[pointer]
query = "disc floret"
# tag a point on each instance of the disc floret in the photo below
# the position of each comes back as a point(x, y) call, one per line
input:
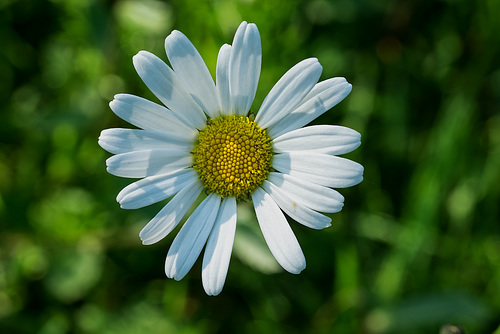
point(232, 156)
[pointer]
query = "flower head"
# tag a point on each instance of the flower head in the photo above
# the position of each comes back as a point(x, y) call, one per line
point(204, 137)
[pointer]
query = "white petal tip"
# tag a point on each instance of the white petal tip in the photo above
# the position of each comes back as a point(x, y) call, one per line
point(146, 242)
point(140, 53)
point(347, 88)
point(172, 35)
point(298, 270)
point(213, 294)
point(321, 227)
point(139, 57)
point(124, 206)
point(212, 291)
point(120, 96)
point(100, 141)
point(169, 270)
point(296, 265)
point(310, 61)
point(146, 238)
point(173, 274)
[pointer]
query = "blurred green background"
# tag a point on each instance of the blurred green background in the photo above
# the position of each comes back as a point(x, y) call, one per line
point(417, 245)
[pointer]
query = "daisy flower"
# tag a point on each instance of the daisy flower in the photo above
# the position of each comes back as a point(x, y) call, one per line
point(205, 140)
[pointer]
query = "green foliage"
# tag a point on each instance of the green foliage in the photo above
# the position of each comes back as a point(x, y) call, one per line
point(416, 247)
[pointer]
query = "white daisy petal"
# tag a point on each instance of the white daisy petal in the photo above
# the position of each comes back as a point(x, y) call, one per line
point(219, 248)
point(171, 214)
point(155, 188)
point(148, 115)
point(327, 139)
point(222, 79)
point(192, 72)
point(323, 169)
point(188, 244)
point(118, 141)
point(288, 92)
point(166, 86)
point(321, 98)
point(277, 233)
point(244, 67)
point(148, 163)
point(297, 211)
point(312, 195)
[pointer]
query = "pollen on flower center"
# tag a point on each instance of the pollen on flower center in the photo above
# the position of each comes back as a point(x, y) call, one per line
point(232, 156)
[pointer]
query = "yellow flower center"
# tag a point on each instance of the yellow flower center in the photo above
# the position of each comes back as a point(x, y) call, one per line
point(232, 156)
